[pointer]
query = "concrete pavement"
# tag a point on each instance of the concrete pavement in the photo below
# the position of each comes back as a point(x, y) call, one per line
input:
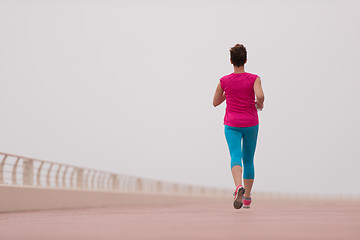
point(267, 219)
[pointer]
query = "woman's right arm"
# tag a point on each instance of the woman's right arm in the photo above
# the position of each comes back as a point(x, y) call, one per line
point(219, 96)
point(259, 94)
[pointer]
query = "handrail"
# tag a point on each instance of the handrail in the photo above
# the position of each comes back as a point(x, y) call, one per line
point(25, 171)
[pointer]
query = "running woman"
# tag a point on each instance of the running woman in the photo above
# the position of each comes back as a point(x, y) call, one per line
point(241, 121)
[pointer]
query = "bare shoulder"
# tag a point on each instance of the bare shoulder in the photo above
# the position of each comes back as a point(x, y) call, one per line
point(257, 84)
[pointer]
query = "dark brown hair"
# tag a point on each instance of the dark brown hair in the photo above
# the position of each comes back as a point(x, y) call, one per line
point(238, 55)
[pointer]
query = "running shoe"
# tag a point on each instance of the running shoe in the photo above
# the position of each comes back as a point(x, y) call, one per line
point(247, 202)
point(238, 197)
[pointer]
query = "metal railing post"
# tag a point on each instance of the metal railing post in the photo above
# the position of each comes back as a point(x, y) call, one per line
point(48, 175)
point(38, 175)
point(139, 185)
point(2, 170)
point(99, 181)
point(102, 181)
point(190, 190)
point(93, 180)
point(13, 173)
point(28, 172)
point(203, 191)
point(64, 176)
point(114, 182)
point(159, 187)
point(79, 178)
point(72, 184)
point(57, 176)
point(86, 185)
point(176, 188)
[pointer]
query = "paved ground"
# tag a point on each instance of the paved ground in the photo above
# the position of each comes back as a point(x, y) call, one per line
point(267, 219)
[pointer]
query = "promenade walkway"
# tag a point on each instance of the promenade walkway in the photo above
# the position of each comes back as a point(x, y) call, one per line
point(267, 219)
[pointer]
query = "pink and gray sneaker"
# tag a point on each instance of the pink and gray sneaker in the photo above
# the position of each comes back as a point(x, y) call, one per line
point(246, 202)
point(238, 197)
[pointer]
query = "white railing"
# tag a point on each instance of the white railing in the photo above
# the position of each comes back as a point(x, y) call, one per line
point(24, 171)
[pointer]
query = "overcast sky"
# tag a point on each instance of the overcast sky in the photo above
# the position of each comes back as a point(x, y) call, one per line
point(127, 86)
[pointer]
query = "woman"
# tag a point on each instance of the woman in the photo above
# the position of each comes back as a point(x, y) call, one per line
point(241, 121)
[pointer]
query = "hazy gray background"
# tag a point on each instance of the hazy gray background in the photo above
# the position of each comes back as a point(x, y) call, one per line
point(127, 86)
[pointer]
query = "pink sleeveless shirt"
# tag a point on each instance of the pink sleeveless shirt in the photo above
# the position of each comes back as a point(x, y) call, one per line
point(240, 99)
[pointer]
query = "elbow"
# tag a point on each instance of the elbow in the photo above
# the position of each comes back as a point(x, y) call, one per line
point(216, 103)
point(260, 97)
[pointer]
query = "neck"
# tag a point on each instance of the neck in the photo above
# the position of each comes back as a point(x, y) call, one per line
point(239, 69)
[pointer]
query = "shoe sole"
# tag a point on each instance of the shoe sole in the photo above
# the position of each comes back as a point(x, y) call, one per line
point(246, 206)
point(238, 201)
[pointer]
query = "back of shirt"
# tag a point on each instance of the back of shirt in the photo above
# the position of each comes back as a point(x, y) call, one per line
point(240, 99)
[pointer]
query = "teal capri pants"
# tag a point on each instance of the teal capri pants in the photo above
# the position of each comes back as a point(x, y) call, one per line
point(242, 144)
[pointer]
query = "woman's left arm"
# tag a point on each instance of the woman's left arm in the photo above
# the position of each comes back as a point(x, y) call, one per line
point(219, 96)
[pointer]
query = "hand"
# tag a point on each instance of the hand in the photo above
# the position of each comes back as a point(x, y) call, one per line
point(258, 107)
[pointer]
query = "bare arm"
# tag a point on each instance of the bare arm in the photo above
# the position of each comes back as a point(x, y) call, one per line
point(259, 94)
point(219, 96)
